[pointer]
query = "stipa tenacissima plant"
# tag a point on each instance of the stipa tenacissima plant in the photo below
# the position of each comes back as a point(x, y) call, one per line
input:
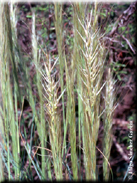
point(92, 68)
point(50, 88)
point(85, 75)
point(51, 107)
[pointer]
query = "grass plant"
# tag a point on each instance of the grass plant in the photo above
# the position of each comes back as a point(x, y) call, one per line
point(84, 83)
point(91, 72)
point(10, 124)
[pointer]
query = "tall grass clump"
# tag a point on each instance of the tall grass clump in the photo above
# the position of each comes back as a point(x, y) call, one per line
point(9, 120)
point(11, 136)
point(91, 66)
point(69, 122)
point(67, 142)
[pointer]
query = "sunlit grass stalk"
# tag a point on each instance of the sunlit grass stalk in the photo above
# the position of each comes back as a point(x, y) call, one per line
point(5, 85)
point(70, 117)
point(61, 52)
point(91, 77)
point(13, 20)
point(108, 118)
point(78, 12)
point(43, 133)
point(4, 114)
point(16, 90)
point(8, 33)
point(4, 97)
point(13, 128)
